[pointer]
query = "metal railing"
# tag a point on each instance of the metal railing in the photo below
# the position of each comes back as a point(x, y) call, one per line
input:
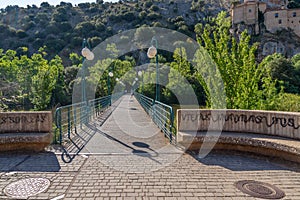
point(161, 114)
point(97, 106)
point(67, 119)
point(72, 120)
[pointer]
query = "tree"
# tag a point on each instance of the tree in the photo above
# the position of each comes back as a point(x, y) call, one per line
point(44, 81)
point(282, 69)
point(247, 85)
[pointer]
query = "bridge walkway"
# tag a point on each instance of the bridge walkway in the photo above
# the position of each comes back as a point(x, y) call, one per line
point(129, 140)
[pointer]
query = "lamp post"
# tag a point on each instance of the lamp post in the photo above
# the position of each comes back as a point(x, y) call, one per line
point(140, 74)
point(87, 54)
point(152, 52)
point(110, 75)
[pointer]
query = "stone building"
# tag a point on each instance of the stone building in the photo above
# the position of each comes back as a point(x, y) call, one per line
point(275, 13)
point(247, 13)
point(277, 19)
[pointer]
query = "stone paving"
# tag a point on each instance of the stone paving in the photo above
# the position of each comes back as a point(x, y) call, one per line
point(120, 162)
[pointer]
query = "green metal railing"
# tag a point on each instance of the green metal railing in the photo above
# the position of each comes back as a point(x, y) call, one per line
point(161, 114)
point(67, 119)
point(71, 121)
point(97, 106)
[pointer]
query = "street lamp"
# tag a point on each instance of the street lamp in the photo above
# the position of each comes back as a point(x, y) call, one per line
point(140, 73)
point(89, 55)
point(152, 52)
point(110, 75)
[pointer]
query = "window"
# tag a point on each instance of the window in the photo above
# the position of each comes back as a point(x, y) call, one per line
point(279, 21)
point(276, 15)
point(294, 14)
point(250, 10)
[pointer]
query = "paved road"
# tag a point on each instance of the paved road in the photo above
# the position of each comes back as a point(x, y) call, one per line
point(128, 158)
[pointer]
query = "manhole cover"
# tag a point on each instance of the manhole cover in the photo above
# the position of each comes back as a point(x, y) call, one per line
point(24, 188)
point(260, 189)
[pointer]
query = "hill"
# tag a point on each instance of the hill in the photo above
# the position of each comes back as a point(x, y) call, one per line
point(62, 28)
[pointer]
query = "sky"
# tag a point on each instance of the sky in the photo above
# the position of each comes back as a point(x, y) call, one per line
point(24, 3)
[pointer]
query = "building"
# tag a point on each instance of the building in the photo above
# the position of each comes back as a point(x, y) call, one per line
point(277, 19)
point(248, 13)
point(275, 13)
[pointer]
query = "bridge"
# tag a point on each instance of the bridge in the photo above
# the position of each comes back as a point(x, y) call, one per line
point(124, 146)
point(116, 124)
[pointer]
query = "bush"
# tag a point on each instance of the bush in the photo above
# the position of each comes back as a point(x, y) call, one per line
point(64, 27)
point(289, 102)
point(95, 41)
point(129, 16)
point(84, 28)
point(76, 41)
point(154, 8)
point(148, 4)
point(99, 26)
point(153, 16)
point(142, 15)
point(52, 29)
point(38, 43)
point(21, 34)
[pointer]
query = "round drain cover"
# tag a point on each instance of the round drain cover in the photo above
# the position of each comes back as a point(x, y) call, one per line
point(260, 189)
point(24, 188)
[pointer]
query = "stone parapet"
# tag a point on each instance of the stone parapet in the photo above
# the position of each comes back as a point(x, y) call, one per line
point(284, 124)
point(25, 122)
point(20, 131)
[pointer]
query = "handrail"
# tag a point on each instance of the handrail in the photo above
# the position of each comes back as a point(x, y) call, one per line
point(97, 106)
point(70, 119)
point(67, 117)
point(162, 115)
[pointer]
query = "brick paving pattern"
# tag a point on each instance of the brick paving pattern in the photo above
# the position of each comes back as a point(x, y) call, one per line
point(118, 163)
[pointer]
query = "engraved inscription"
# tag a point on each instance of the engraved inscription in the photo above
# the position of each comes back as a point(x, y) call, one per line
point(236, 118)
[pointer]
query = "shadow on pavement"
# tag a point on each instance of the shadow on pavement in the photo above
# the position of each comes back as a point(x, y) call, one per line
point(30, 162)
point(238, 161)
point(81, 135)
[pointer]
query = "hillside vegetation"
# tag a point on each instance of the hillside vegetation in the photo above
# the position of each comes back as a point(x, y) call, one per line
point(62, 28)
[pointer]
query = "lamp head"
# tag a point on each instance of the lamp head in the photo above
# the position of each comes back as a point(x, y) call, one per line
point(110, 74)
point(140, 73)
point(90, 56)
point(152, 51)
point(85, 52)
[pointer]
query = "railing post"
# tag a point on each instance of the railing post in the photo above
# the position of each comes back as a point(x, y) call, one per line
point(69, 123)
point(58, 125)
point(171, 124)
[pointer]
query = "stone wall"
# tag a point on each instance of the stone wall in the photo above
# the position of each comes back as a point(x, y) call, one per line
point(25, 122)
point(285, 124)
point(283, 19)
point(25, 131)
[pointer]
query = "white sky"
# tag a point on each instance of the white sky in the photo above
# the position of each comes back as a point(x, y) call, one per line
point(24, 3)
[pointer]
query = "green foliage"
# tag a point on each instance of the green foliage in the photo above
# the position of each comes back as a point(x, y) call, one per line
point(26, 81)
point(282, 69)
point(44, 81)
point(289, 102)
point(84, 28)
point(21, 34)
point(247, 84)
point(154, 8)
point(75, 59)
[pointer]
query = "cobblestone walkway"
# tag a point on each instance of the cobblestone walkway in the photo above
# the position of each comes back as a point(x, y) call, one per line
point(128, 158)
